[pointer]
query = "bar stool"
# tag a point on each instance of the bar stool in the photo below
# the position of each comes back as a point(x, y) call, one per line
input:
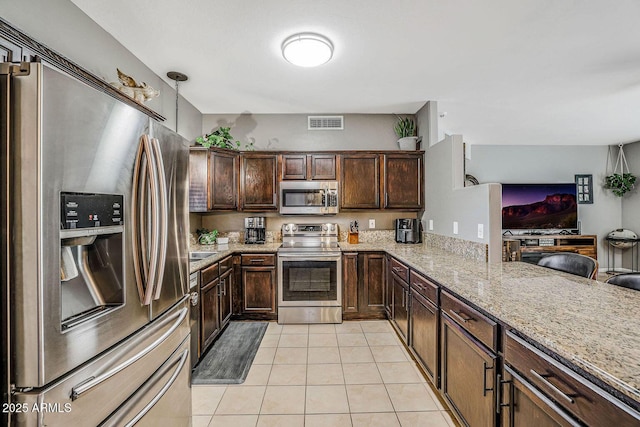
point(569, 262)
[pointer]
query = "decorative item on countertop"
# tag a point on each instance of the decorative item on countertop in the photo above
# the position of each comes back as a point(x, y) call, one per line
point(206, 237)
point(353, 232)
point(620, 183)
point(470, 180)
point(406, 131)
point(221, 138)
point(139, 92)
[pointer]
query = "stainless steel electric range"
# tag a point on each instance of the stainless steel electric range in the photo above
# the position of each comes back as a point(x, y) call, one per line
point(309, 274)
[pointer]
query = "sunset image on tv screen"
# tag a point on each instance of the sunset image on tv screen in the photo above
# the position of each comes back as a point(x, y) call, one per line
point(539, 206)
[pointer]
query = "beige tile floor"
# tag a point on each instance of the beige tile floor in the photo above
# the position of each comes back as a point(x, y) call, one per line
point(354, 374)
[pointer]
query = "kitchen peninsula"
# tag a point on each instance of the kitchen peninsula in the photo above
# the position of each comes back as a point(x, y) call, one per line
point(588, 326)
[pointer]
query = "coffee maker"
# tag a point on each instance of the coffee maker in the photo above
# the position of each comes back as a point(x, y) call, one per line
point(408, 230)
point(254, 230)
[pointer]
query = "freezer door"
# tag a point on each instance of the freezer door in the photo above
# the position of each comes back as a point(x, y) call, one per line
point(140, 376)
point(65, 137)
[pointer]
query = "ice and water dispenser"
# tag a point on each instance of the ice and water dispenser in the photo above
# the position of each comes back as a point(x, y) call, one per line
point(91, 255)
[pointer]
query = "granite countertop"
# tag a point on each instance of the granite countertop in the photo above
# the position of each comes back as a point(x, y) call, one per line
point(591, 324)
point(225, 250)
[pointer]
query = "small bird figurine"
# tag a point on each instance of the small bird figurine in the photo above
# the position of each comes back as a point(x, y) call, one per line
point(128, 86)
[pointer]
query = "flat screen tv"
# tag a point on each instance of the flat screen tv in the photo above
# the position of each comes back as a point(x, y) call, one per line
point(539, 206)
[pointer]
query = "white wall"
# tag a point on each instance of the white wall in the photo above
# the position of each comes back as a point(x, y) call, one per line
point(289, 131)
point(549, 164)
point(61, 26)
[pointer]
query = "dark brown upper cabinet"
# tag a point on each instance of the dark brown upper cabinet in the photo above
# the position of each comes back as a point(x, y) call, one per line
point(258, 182)
point(360, 181)
point(224, 180)
point(320, 167)
point(403, 182)
point(213, 180)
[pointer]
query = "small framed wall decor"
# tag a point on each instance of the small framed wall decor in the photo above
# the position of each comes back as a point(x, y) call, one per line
point(584, 187)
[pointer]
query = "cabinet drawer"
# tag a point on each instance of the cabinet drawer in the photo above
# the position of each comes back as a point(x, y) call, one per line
point(226, 264)
point(400, 269)
point(483, 328)
point(576, 394)
point(208, 274)
point(424, 287)
point(259, 259)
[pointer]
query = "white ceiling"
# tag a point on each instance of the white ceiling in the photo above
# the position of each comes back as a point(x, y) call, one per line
point(504, 71)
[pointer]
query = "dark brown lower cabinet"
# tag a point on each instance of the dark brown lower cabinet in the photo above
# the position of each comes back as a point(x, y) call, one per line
point(525, 406)
point(424, 334)
point(209, 314)
point(363, 285)
point(468, 376)
point(400, 305)
point(226, 290)
point(259, 290)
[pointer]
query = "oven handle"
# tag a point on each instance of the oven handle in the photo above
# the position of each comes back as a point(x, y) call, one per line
point(311, 256)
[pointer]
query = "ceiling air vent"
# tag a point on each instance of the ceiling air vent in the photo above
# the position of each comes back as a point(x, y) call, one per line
point(326, 122)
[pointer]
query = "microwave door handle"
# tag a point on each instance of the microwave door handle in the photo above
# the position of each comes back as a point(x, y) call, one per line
point(162, 215)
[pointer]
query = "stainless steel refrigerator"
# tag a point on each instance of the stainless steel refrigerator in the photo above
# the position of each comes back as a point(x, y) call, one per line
point(94, 257)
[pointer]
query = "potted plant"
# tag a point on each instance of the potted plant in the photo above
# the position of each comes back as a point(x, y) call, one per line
point(221, 138)
point(405, 128)
point(206, 237)
point(620, 182)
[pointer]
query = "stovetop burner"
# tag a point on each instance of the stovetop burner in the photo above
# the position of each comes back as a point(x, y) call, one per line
point(309, 238)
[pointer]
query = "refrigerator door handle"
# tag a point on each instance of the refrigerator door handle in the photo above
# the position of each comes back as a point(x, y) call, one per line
point(145, 247)
point(85, 386)
point(162, 215)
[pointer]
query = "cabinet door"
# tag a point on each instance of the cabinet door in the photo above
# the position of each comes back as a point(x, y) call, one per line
point(373, 277)
point(424, 334)
point(259, 289)
point(388, 289)
point(360, 181)
point(226, 289)
point(294, 166)
point(403, 182)
point(468, 375)
point(258, 182)
point(350, 282)
point(209, 320)
point(527, 407)
point(224, 183)
point(198, 180)
point(400, 305)
point(323, 167)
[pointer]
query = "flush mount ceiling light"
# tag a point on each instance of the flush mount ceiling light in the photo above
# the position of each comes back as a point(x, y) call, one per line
point(307, 49)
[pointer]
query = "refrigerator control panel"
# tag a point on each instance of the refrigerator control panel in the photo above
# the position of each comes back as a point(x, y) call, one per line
point(87, 210)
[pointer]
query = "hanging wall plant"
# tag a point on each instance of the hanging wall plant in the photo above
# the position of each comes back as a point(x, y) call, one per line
point(620, 182)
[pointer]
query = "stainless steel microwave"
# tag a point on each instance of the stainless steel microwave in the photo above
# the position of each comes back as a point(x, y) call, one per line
point(309, 197)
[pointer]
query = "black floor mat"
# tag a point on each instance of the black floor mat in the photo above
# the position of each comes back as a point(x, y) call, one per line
point(229, 359)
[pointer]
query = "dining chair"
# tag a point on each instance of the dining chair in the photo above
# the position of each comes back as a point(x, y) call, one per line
point(570, 262)
point(626, 280)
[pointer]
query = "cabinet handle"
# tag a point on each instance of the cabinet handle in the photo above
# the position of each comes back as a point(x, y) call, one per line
point(223, 287)
point(500, 382)
point(459, 316)
point(397, 269)
point(484, 379)
point(386, 200)
point(403, 298)
point(257, 260)
point(556, 390)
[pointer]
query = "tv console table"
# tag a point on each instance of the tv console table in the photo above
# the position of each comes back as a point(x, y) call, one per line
point(533, 247)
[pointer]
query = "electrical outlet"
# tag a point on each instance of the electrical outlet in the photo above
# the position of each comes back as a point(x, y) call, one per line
point(455, 227)
point(372, 223)
point(480, 231)
point(431, 225)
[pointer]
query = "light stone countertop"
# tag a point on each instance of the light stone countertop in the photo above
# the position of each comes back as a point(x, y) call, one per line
point(225, 250)
point(593, 325)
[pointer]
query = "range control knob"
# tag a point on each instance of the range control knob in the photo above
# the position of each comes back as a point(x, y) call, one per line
point(325, 228)
point(294, 228)
point(333, 227)
point(287, 227)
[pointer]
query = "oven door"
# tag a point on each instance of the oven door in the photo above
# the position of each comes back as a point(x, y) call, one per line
point(309, 279)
